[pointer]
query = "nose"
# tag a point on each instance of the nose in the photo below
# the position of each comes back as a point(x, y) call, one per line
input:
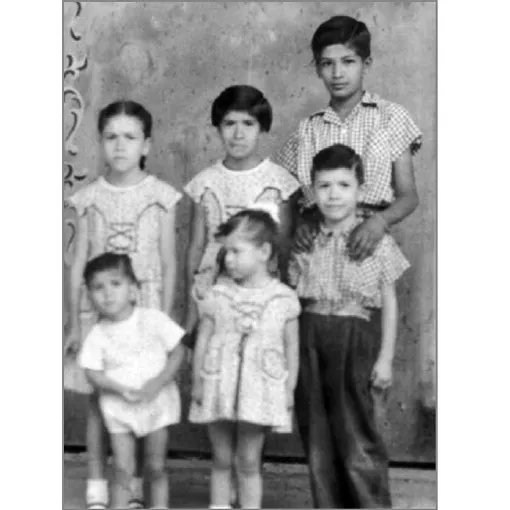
point(238, 131)
point(337, 70)
point(119, 144)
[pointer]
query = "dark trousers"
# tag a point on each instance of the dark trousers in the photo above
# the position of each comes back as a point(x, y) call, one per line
point(335, 411)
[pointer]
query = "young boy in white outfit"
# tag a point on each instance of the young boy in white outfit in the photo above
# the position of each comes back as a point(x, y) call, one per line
point(132, 356)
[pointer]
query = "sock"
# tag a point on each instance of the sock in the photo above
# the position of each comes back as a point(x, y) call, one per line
point(137, 488)
point(97, 491)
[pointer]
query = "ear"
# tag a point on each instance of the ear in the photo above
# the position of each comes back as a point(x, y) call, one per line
point(361, 193)
point(367, 64)
point(266, 251)
point(133, 292)
point(147, 144)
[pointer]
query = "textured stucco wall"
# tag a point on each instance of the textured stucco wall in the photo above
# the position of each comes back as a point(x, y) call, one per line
point(175, 57)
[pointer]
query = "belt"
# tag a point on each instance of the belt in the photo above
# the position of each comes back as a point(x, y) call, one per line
point(339, 309)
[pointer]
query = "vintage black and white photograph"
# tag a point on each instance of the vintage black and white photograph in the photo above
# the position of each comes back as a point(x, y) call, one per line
point(250, 257)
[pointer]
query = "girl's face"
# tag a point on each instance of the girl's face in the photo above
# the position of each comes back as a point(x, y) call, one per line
point(342, 71)
point(124, 143)
point(239, 132)
point(112, 293)
point(336, 194)
point(243, 257)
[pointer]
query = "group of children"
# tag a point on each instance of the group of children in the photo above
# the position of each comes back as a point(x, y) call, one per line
point(291, 276)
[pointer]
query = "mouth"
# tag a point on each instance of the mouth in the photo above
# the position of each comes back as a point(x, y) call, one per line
point(339, 86)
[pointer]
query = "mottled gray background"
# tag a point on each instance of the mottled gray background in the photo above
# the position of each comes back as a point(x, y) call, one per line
point(176, 57)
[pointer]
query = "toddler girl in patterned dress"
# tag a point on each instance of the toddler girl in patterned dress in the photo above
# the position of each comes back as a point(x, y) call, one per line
point(380, 131)
point(125, 211)
point(132, 356)
point(246, 357)
point(241, 114)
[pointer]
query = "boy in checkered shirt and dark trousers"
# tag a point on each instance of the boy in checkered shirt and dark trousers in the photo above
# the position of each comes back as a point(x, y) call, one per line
point(347, 339)
point(381, 132)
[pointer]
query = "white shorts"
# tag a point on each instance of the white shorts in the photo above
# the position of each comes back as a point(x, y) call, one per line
point(142, 419)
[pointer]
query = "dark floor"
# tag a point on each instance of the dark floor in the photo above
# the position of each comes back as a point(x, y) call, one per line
point(285, 485)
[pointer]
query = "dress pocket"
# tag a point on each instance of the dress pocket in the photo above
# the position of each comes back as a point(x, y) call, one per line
point(273, 365)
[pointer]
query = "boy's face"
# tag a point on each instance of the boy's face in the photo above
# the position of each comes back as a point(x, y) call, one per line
point(112, 293)
point(336, 193)
point(124, 143)
point(239, 132)
point(342, 71)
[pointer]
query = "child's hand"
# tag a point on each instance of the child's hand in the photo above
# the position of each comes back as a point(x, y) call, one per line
point(366, 236)
point(131, 395)
point(73, 342)
point(150, 390)
point(290, 398)
point(382, 374)
point(197, 392)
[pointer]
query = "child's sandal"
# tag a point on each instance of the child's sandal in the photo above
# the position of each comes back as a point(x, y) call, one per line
point(97, 506)
point(136, 504)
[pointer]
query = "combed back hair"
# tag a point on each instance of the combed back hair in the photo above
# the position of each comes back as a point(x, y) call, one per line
point(256, 225)
point(109, 261)
point(242, 98)
point(338, 156)
point(341, 30)
point(131, 109)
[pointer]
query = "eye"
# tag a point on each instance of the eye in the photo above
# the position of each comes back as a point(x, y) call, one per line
point(110, 136)
point(325, 63)
point(323, 185)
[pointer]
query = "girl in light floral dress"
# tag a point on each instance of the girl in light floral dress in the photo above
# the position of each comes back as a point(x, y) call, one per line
point(241, 114)
point(125, 211)
point(246, 358)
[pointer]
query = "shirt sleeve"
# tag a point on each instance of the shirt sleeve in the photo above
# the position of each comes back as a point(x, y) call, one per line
point(284, 182)
point(393, 261)
point(404, 133)
point(168, 196)
point(197, 186)
point(207, 306)
point(81, 200)
point(287, 155)
point(168, 330)
point(293, 308)
point(91, 354)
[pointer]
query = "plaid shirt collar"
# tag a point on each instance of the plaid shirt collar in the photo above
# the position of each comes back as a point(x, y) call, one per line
point(325, 234)
point(367, 100)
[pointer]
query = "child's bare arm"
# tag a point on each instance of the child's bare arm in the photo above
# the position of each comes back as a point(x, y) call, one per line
point(205, 331)
point(195, 253)
point(382, 374)
point(291, 337)
point(365, 239)
point(286, 228)
point(406, 194)
point(102, 382)
point(168, 257)
point(76, 277)
point(174, 361)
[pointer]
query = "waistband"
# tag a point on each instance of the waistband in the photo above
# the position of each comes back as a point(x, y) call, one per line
point(328, 307)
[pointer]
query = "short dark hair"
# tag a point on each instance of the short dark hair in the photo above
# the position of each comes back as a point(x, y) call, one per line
point(258, 225)
point(341, 30)
point(242, 98)
point(338, 156)
point(108, 261)
point(131, 109)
